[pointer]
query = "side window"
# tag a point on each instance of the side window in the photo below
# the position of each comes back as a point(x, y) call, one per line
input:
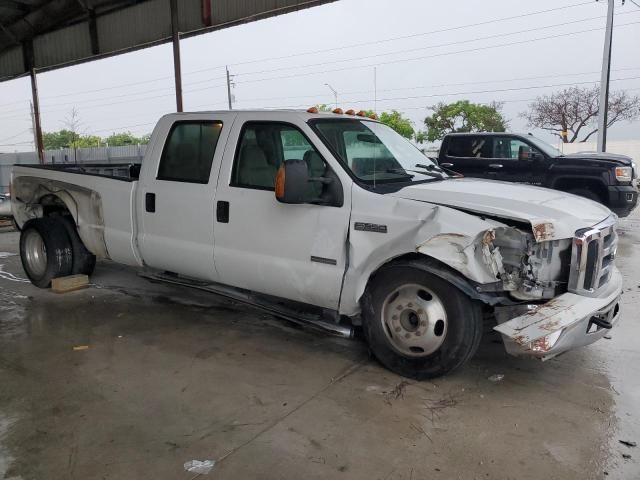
point(467, 146)
point(505, 147)
point(263, 147)
point(294, 145)
point(188, 151)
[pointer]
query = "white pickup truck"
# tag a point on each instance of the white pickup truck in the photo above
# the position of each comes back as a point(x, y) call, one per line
point(334, 219)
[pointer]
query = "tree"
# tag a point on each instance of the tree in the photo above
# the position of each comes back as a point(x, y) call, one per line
point(323, 107)
point(574, 110)
point(463, 116)
point(400, 124)
point(125, 138)
point(68, 139)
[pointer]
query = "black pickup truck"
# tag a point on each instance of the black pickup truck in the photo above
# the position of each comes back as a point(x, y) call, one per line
point(604, 177)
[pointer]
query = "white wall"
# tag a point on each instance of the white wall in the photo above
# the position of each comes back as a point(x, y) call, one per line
point(630, 148)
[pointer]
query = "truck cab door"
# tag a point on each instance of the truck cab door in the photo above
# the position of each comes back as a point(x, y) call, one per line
point(175, 199)
point(293, 251)
point(514, 160)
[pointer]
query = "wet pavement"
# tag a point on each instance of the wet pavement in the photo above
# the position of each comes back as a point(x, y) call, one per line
point(165, 375)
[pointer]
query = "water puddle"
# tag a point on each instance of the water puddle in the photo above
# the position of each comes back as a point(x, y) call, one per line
point(10, 276)
point(5, 458)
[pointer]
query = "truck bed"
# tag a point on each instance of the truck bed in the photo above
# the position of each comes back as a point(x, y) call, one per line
point(119, 171)
point(100, 197)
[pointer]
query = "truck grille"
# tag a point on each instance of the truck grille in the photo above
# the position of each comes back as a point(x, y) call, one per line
point(592, 257)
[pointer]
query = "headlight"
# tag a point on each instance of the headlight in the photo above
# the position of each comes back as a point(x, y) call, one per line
point(623, 174)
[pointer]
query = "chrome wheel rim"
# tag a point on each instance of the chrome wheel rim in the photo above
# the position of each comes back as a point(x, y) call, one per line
point(414, 320)
point(35, 253)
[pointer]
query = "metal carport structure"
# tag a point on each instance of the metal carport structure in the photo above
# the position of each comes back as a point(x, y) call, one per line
point(42, 35)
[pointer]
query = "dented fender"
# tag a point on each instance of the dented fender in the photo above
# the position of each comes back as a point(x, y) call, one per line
point(460, 240)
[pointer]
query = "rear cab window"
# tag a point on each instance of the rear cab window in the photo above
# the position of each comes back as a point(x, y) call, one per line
point(188, 152)
point(469, 146)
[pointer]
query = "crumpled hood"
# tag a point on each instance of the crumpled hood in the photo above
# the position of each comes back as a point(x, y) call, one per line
point(553, 215)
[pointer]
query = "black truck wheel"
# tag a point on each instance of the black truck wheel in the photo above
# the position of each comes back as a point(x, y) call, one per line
point(83, 260)
point(418, 325)
point(45, 250)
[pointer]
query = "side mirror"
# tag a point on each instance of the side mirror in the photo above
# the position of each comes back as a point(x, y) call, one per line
point(292, 182)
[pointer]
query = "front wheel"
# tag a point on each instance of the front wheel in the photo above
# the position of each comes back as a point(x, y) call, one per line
point(417, 324)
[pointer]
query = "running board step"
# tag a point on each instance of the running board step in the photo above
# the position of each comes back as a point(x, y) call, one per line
point(257, 301)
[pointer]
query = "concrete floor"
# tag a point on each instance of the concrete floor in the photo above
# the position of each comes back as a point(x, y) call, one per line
point(172, 375)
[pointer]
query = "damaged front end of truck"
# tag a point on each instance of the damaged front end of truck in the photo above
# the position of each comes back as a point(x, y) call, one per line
point(556, 293)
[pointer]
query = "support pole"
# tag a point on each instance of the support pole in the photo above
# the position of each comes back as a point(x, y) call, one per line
point(603, 108)
point(176, 53)
point(36, 115)
point(229, 89)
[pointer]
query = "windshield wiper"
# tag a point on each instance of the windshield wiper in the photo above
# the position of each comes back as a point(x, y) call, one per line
point(431, 168)
point(404, 170)
point(400, 171)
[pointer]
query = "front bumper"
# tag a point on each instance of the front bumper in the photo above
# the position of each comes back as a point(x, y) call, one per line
point(564, 323)
point(623, 199)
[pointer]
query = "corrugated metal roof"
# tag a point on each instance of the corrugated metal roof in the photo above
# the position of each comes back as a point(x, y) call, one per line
point(56, 33)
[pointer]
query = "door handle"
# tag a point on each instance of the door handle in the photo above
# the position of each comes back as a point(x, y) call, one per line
point(495, 165)
point(150, 202)
point(446, 165)
point(222, 211)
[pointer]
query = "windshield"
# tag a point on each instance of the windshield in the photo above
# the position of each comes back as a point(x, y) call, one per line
point(544, 146)
point(375, 153)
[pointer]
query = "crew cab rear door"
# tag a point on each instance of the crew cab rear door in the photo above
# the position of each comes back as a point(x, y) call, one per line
point(293, 251)
point(175, 199)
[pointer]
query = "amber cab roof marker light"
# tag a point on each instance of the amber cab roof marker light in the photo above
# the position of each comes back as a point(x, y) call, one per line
point(351, 111)
point(312, 110)
point(338, 111)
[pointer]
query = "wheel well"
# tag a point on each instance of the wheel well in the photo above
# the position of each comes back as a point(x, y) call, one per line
point(53, 205)
point(595, 186)
point(442, 270)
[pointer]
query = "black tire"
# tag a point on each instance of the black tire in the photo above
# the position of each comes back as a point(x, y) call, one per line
point(586, 193)
point(57, 252)
point(83, 260)
point(463, 327)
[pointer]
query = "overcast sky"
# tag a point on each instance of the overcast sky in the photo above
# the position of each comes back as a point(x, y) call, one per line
point(421, 58)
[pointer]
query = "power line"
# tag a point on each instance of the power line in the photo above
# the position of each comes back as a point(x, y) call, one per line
point(16, 135)
point(413, 35)
point(75, 102)
point(343, 47)
point(435, 95)
point(390, 62)
point(459, 42)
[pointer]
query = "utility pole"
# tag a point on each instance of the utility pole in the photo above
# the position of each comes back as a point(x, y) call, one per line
point(36, 115)
point(229, 83)
point(33, 128)
point(335, 93)
point(175, 37)
point(603, 108)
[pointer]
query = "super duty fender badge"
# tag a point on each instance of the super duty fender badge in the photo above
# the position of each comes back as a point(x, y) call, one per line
point(370, 227)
